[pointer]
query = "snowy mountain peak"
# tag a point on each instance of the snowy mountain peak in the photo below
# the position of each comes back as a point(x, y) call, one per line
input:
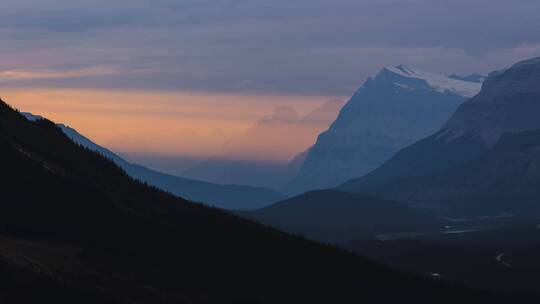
point(478, 78)
point(389, 112)
point(438, 82)
point(403, 70)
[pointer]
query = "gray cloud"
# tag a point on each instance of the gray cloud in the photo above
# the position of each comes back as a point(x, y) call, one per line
point(302, 46)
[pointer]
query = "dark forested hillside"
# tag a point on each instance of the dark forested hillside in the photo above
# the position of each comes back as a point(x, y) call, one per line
point(335, 216)
point(496, 258)
point(221, 196)
point(75, 228)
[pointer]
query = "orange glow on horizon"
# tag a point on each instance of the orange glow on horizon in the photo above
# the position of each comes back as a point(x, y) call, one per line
point(182, 124)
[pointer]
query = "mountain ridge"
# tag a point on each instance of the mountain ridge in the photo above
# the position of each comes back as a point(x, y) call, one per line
point(483, 162)
point(90, 229)
point(508, 102)
point(223, 196)
point(262, 143)
point(394, 109)
point(339, 217)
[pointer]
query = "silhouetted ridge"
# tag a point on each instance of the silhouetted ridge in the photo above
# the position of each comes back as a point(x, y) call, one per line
point(334, 216)
point(71, 217)
point(222, 196)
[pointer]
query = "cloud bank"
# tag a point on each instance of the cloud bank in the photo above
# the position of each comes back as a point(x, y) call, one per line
point(294, 47)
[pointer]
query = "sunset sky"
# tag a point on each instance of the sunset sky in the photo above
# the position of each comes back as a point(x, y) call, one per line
point(182, 78)
point(168, 123)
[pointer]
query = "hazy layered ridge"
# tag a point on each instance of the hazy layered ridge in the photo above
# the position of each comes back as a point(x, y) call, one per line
point(394, 109)
point(469, 167)
point(222, 196)
point(179, 125)
point(75, 226)
point(260, 148)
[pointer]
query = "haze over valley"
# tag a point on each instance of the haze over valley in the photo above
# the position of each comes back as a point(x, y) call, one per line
point(305, 151)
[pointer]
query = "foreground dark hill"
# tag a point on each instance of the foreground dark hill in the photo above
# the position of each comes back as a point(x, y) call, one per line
point(334, 216)
point(222, 196)
point(509, 102)
point(75, 228)
point(502, 256)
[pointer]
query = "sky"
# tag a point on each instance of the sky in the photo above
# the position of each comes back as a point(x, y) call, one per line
point(154, 77)
point(179, 124)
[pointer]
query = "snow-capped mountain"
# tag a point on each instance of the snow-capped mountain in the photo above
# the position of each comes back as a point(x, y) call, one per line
point(394, 109)
point(223, 196)
point(478, 78)
point(485, 160)
point(438, 82)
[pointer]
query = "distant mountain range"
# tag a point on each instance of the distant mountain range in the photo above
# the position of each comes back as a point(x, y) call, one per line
point(264, 145)
point(222, 196)
point(75, 228)
point(394, 109)
point(481, 171)
point(484, 161)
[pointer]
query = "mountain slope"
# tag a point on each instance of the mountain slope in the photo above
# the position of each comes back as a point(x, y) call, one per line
point(333, 216)
point(264, 146)
point(396, 108)
point(222, 196)
point(503, 119)
point(73, 217)
point(508, 102)
point(504, 180)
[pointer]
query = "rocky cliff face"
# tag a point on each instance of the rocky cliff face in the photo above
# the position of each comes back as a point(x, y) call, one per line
point(506, 180)
point(503, 121)
point(396, 108)
point(509, 102)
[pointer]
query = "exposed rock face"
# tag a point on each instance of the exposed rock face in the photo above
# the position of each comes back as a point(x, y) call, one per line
point(504, 180)
point(503, 120)
point(396, 108)
point(509, 102)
